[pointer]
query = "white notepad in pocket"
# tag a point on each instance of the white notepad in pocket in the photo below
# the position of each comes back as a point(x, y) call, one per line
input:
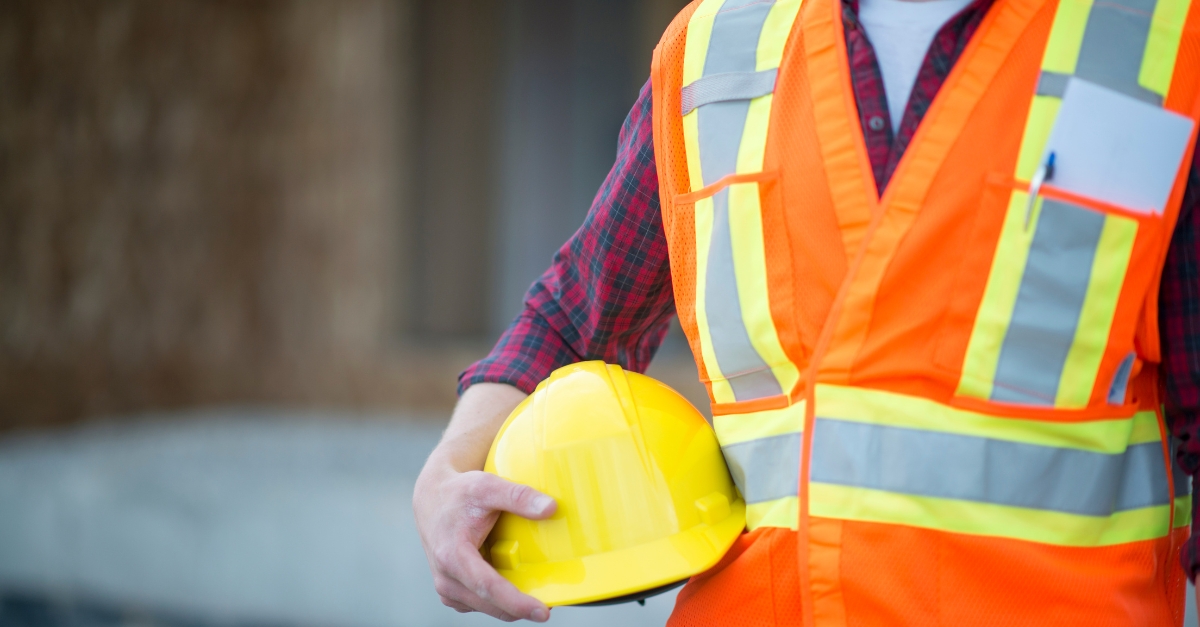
point(1116, 149)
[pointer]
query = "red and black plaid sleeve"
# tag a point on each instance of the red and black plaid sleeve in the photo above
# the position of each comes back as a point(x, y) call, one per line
point(607, 294)
point(1179, 325)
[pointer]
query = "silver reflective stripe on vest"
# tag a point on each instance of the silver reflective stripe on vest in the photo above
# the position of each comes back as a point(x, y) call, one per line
point(729, 70)
point(1114, 44)
point(733, 45)
point(1050, 299)
point(1052, 84)
point(765, 469)
point(983, 470)
point(741, 365)
point(732, 48)
point(1120, 382)
point(720, 129)
point(726, 87)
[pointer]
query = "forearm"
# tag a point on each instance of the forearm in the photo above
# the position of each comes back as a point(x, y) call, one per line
point(477, 418)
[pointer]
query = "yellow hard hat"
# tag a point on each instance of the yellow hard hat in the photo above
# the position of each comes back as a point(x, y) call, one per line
point(644, 497)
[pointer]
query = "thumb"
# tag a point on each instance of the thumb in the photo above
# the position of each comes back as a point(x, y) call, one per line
point(496, 494)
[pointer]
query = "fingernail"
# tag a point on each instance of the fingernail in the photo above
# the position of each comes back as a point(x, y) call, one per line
point(540, 615)
point(542, 503)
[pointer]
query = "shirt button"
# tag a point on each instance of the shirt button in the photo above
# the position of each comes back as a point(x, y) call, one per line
point(876, 123)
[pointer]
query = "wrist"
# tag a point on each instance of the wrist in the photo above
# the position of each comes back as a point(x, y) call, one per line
point(437, 471)
point(457, 454)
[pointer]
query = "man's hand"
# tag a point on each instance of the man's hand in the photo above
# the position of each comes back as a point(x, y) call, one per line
point(456, 505)
point(454, 519)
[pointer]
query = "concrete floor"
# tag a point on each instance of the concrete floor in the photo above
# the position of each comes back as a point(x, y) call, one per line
point(235, 517)
point(229, 518)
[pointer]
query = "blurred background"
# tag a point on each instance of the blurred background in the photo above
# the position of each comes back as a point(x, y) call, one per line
point(245, 249)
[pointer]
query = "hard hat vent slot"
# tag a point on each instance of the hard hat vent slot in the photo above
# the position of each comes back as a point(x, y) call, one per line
point(505, 555)
point(713, 508)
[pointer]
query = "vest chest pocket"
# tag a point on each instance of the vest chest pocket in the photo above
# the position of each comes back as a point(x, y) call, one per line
point(733, 295)
point(1067, 282)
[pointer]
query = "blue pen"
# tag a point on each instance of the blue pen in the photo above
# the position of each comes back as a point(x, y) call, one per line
point(1043, 174)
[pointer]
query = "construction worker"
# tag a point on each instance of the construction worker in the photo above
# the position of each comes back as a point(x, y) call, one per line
point(945, 253)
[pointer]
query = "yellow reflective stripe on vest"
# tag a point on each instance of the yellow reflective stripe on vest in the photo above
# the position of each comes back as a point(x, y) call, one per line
point(891, 458)
point(731, 60)
point(779, 513)
point(1113, 250)
point(985, 519)
point(888, 409)
point(1042, 328)
point(1162, 46)
point(1183, 511)
point(738, 428)
point(1066, 36)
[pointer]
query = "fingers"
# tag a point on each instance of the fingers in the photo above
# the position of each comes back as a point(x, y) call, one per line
point(493, 493)
point(480, 578)
point(454, 520)
point(457, 597)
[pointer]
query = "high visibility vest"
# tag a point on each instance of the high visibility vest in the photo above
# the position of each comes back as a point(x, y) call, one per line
point(941, 405)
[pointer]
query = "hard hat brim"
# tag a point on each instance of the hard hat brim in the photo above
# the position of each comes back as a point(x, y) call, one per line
point(640, 597)
point(616, 574)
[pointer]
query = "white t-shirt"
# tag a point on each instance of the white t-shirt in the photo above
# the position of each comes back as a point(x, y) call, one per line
point(901, 31)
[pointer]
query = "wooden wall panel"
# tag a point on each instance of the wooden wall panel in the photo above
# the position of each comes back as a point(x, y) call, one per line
point(197, 200)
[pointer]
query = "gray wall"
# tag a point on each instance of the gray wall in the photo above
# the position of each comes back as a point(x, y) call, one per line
point(523, 101)
point(570, 82)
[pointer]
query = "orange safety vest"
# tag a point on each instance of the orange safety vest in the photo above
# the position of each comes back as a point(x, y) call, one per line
point(941, 405)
